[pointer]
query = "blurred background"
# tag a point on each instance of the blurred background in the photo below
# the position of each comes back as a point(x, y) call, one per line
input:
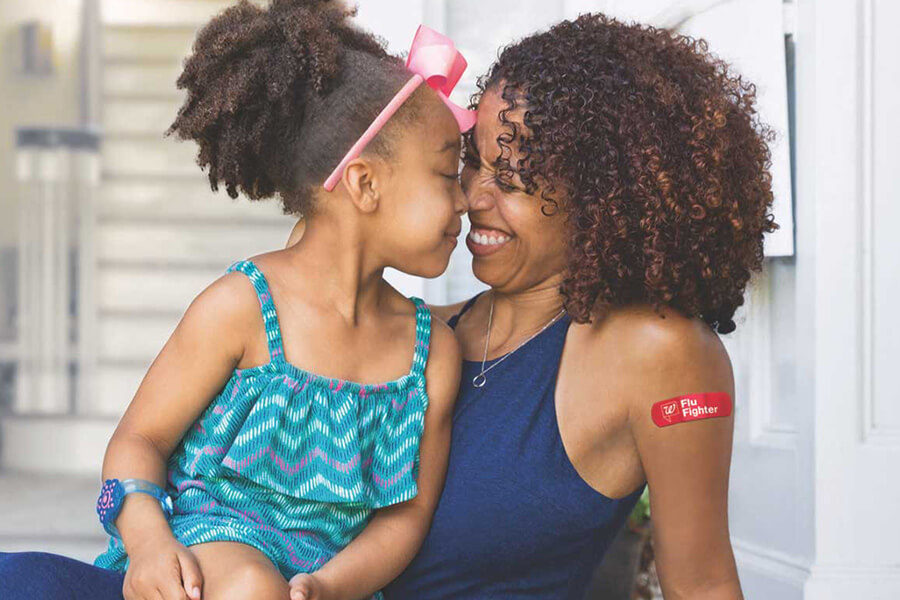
point(108, 230)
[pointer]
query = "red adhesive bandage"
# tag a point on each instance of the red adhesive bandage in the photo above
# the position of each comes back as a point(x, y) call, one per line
point(691, 408)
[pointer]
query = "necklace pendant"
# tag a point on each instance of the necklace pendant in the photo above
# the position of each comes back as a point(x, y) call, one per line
point(479, 380)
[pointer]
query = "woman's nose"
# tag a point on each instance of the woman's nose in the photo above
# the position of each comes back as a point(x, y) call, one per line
point(478, 198)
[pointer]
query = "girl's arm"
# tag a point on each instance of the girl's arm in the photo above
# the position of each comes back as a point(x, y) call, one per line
point(394, 535)
point(686, 464)
point(190, 369)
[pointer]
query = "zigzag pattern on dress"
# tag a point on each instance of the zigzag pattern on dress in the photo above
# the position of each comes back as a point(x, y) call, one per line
point(291, 462)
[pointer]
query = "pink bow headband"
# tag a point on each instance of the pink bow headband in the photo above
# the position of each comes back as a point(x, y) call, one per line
point(434, 59)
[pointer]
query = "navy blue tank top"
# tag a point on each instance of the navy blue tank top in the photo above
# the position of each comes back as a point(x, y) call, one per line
point(515, 519)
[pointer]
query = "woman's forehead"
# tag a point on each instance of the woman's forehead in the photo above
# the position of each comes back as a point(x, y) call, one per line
point(489, 125)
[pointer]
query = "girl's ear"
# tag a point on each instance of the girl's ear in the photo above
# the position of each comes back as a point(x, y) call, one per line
point(363, 182)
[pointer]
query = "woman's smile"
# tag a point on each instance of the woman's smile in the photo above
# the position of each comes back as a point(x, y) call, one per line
point(483, 241)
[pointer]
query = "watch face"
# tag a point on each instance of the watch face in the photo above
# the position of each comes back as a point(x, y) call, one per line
point(110, 498)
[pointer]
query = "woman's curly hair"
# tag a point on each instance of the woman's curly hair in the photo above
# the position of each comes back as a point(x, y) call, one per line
point(654, 150)
point(277, 95)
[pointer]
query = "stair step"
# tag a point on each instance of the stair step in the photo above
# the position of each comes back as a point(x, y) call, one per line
point(116, 386)
point(141, 289)
point(54, 444)
point(160, 13)
point(164, 200)
point(162, 157)
point(187, 244)
point(141, 43)
point(134, 79)
point(137, 338)
point(137, 115)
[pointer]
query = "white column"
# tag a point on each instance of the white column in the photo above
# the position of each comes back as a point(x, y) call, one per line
point(43, 281)
point(57, 174)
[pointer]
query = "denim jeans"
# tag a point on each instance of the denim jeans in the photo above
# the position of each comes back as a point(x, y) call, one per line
point(45, 576)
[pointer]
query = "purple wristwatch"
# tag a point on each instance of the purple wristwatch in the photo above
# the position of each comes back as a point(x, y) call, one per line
point(112, 496)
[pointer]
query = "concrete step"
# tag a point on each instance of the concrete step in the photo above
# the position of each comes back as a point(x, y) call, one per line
point(45, 513)
point(54, 444)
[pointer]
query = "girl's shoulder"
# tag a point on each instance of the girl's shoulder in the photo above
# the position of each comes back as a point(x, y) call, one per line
point(229, 301)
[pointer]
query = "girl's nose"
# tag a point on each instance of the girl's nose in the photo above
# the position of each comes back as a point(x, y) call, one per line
point(461, 203)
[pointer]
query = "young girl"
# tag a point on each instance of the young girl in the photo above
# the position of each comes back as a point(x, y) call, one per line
point(255, 436)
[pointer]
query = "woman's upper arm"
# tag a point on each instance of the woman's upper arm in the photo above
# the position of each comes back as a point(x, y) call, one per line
point(193, 365)
point(686, 464)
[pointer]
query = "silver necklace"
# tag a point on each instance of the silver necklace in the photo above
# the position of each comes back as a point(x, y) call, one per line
point(480, 379)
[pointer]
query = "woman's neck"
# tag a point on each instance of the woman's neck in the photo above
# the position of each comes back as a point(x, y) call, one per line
point(348, 276)
point(516, 315)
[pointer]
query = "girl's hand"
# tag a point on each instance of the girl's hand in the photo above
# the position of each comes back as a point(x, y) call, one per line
point(306, 586)
point(162, 568)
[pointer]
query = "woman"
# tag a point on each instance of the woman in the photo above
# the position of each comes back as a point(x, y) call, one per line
point(618, 195)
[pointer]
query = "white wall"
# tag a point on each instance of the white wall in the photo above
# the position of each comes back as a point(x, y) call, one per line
point(857, 424)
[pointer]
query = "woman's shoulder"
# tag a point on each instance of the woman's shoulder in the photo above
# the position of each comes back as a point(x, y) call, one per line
point(658, 354)
point(646, 334)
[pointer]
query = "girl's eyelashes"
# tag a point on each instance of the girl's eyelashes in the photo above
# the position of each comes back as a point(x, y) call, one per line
point(470, 158)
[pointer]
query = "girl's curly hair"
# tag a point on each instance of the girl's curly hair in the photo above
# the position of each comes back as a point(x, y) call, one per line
point(277, 95)
point(654, 150)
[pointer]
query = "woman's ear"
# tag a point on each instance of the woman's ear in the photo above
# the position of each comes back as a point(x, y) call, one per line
point(362, 179)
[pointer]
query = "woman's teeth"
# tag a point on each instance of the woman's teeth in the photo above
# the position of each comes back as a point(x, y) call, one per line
point(488, 239)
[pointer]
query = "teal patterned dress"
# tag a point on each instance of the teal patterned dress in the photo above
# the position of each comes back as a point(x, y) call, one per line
point(293, 463)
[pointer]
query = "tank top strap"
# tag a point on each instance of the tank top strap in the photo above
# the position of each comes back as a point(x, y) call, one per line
point(423, 336)
point(267, 306)
point(452, 321)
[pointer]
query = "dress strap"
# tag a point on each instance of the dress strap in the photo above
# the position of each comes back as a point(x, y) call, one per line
point(267, 306)
point(423, 336)
point(452, 321)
